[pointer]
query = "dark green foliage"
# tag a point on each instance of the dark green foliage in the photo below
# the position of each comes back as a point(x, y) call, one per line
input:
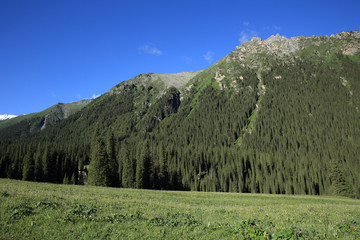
point(338, 180)
point(143, 167)
point(26, 125)
point(21, 211)
point(127, 165)
point(98, 170)
point(47, 164)
point(103, 169)
point(112, 162)
point(28, 168)
point(174, 220)
point(66, 180)
point(290, 126)
point(163, 178)
point(38, 164)
point(80, 212)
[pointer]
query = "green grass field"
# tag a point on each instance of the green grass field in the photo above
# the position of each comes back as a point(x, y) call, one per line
point(49, 211)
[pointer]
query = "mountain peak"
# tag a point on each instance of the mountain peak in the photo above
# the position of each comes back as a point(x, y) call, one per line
point(6, 117)
point(275, 38)
point(177, 80)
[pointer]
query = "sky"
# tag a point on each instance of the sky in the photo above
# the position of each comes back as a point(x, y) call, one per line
point(69, 50)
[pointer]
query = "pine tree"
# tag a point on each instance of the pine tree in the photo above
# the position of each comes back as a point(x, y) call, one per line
point(28, 168)
point(46, 164)
point(163, 174)
point(339, 184)
point(98, 169)
point(38, 166)
point(143, 167)
point(113, 166)
point(126, 166)
point(140, 169)
point(123, 154)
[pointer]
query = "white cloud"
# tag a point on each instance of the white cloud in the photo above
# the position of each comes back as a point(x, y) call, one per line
point(209, 56)
point(147, 49)
point(95, 96)
point(246, 35)
point(246, 24)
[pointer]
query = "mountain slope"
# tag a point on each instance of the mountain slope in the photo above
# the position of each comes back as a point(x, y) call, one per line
point(34, 122)
point(273, 116)
point(6, 117)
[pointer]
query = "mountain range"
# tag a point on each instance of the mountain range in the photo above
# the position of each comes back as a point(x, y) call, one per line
point(273, 116)
point(6, 117)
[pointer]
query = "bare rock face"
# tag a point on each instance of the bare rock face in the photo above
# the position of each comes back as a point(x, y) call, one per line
point(281, 45)
point(351, 50)
point(167, 80)
point(250, 53)
point(256, 40)
point(277, 46)
point(176, 79)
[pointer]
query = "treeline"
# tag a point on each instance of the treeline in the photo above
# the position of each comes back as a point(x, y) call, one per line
point(296, 133)
point(43, 162)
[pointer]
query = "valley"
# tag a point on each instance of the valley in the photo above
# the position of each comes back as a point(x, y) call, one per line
point(49, 211)
point(274, 116)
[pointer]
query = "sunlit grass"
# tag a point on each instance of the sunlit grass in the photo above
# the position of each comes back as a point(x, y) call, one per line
point(49, 211)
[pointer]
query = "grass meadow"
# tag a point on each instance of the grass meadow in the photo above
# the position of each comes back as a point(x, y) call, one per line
point(31, 210)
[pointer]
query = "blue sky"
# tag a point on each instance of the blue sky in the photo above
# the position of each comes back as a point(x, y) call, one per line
point(64, 51)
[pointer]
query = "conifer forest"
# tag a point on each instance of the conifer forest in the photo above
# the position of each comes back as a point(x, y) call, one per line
point(280, 121)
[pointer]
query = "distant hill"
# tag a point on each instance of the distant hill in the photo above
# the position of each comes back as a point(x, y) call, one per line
point(25, 124)
point(273, 116)
point(6, 117)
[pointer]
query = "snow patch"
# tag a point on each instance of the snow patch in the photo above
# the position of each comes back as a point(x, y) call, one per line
point(6, 117)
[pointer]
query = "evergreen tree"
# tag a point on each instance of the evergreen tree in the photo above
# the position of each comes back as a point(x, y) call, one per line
point(126, 166)
point(123, 154)
point(113, 166)
point(98, 169)
point(28, 168)
point(340, 186)
point(46, 164)
point(143, 167)
point(163, 174)
point(38, 171)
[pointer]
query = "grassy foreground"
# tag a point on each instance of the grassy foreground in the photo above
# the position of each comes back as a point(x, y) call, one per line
point(48, 211)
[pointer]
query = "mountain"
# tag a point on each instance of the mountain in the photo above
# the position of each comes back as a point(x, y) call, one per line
point(273, 116)
point(6, 117)
point(34, 122)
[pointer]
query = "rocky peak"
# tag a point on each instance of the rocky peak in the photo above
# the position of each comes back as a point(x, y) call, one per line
point(177, 80)
point(256, 39)
point(275, 38)
point(276, 46)
point(280, 47)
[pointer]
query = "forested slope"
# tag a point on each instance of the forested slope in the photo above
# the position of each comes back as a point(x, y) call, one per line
point(273, 116)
